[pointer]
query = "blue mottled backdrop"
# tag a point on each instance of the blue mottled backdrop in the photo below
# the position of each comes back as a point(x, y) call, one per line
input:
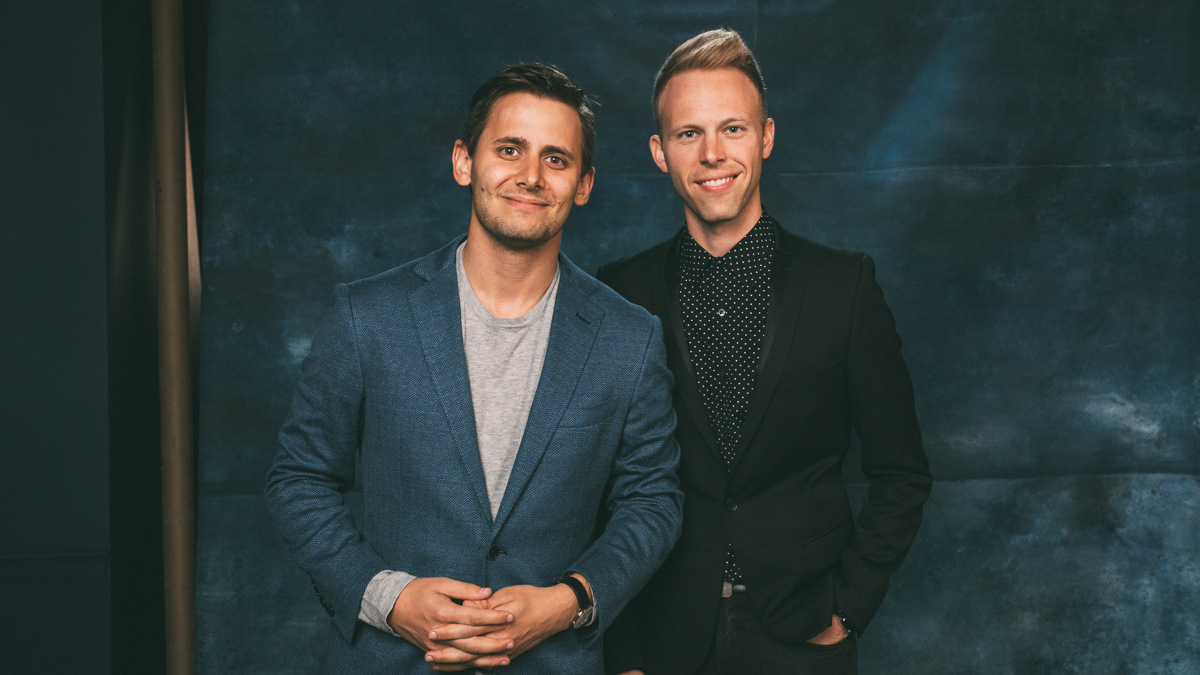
point(1025, 173)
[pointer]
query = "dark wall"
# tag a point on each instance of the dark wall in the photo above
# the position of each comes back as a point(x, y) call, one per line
point(1025, 174)
point(54, 531)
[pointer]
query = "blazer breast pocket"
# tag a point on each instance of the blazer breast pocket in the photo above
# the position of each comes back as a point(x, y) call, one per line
point(587, 411)
point(810, 378)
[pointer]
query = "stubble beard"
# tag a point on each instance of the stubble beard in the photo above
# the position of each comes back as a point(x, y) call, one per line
point(511, 235)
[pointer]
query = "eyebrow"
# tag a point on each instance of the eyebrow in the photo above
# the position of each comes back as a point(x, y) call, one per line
point(556, 150)
point(729, 121)
point(512, 140)
point(522, 143)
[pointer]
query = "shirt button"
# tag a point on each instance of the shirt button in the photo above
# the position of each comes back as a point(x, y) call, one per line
point(731, 505)
point(720, 312)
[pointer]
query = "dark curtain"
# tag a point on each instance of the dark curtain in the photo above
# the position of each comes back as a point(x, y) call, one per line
point(131, 177)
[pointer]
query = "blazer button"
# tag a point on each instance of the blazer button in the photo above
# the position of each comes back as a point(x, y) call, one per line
point(731, 505)
point(324, 605)
point(494, 552)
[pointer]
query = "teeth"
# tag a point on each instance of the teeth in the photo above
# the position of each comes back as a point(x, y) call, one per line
point(716, 181)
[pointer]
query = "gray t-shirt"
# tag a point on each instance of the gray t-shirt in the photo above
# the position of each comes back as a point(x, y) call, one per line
point(504, 366)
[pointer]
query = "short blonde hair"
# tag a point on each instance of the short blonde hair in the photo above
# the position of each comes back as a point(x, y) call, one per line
point(711, 50)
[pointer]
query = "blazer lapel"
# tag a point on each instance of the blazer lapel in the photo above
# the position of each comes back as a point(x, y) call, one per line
point(439, 327)
point(787, 294)
point(572, 332)
point(666, 295)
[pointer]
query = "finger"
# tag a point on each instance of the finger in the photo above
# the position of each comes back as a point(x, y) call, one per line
point(484, 662)
point(481, 665)
point(457, 631)
point(461, 590)
point(454, 666)
point(473, 616)
point(482, 645)
point(450, 666)
point(490, 662)
point(450, 656)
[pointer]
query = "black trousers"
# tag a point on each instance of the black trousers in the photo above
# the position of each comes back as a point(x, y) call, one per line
point(742, 646)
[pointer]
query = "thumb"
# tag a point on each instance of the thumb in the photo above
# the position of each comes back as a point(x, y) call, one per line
point(460, 590)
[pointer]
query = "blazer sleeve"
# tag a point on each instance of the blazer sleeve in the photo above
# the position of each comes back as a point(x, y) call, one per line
point(893, 458)
point(622, 645)
point(314, 467)
point(644, 501)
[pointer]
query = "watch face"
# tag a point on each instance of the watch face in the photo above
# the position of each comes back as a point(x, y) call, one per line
point(583, 618)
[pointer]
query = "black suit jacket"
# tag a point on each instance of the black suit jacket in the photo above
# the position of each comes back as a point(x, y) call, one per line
point(830, 361)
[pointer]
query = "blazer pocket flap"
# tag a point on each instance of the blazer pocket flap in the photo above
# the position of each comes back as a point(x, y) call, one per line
point(807, 378)
point(585, 411)
point(824, 549)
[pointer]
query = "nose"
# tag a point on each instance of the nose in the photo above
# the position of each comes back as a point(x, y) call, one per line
point(529, 174)
point(713, 150)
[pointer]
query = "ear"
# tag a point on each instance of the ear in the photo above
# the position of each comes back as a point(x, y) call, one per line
point(461, 164)
point(584, 190)
point(656, 151)
point(768, 137)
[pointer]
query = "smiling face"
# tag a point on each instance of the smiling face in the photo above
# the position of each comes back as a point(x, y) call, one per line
point(526, 171)
point(713, 144)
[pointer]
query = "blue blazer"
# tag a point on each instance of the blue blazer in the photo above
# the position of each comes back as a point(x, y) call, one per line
point(385, 390)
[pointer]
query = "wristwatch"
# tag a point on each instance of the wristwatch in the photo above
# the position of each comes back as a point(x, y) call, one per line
point(845, 621)
point(587, 609)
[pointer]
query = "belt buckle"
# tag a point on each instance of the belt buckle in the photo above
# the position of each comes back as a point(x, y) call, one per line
point(728, 588)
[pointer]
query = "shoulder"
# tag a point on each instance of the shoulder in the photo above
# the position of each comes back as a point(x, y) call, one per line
point(395, 284)
point(643, 262)
point(822, 263)
point(616, 310)
point(634, 276)
point(816, 253)
point(397, 279)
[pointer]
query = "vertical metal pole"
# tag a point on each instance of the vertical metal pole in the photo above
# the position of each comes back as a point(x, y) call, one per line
point(178, 480)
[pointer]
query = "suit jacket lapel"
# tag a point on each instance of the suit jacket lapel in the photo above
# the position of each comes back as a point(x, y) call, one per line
point(787, 295)
point(436, 313)
point(572, 332)
point(666, 295)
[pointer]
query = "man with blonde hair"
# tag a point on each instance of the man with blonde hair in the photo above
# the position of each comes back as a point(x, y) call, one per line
point(779, 347)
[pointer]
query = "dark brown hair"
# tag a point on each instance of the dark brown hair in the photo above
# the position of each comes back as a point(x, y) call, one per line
point(531, 78)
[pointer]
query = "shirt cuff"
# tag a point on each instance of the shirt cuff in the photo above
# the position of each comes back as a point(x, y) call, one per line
point(380, 598)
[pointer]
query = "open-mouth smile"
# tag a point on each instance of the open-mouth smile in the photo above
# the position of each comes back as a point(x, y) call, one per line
point(716, 182)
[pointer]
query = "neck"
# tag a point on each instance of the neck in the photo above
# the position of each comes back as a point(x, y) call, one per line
point(717, 238)
point(508, 283)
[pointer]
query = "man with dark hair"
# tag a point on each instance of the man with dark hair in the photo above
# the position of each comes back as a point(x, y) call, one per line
point(489, 395)
point(779, 347)
point(533, 79)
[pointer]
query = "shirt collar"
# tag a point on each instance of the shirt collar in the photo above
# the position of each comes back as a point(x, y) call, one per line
point(694, 259)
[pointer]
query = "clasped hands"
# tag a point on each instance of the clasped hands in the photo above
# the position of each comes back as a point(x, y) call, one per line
point(489, 628)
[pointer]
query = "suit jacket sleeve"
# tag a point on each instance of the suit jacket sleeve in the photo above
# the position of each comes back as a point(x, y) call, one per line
point(644, 501)
point(622, 646)
point(314, 467)
point(893, 459)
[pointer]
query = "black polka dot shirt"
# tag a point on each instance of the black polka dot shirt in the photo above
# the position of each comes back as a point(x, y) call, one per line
point(724, 303)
